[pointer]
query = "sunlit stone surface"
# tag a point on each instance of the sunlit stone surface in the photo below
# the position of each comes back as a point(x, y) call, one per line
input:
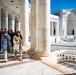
point(33, 68)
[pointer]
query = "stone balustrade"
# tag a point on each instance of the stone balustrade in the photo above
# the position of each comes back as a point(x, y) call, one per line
point(66, 55)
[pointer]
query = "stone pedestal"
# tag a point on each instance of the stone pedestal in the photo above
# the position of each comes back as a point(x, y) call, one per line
point(24, 23)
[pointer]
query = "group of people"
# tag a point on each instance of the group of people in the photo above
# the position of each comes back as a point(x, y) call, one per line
point(10, 42)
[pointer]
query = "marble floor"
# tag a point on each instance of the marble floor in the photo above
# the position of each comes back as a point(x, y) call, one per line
point(28, 66)
point(70, 65)
point(12, 61)
point(32, 68)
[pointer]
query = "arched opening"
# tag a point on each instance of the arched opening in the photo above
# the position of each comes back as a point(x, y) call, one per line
point(70, 24)
point(3, 18)
point(9, 21)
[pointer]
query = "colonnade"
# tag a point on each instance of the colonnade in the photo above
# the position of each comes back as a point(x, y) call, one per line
point(39, 25)
point(8, 20)
point(54, 28)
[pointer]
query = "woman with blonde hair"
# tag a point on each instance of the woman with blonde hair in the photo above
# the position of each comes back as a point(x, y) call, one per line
point(18, 41)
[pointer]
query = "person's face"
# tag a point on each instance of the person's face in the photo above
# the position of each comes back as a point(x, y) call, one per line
point(18, 33)
point(5, 34)
point(10, 31)
point(2, 30)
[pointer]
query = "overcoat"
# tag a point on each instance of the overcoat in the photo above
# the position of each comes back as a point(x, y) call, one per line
point(4, 43)
point(16, 41)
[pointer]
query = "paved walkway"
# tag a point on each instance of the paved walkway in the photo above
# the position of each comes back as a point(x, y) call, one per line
point(30, 66)
point(12, 61)
point(70, 65)
point(33, 68)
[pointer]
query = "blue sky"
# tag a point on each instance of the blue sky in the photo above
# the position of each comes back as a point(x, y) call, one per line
point(62, 4)
point(29, 1)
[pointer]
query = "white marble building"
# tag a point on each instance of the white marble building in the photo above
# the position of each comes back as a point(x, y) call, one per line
point(62, 22)
point(44, 29)
point(12, 16)
point(67, 30)
point(54, 29)
point(35, 20)
point(67, 22)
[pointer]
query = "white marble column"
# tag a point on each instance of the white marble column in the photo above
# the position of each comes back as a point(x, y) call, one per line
point(6, 18)
point(13, 26)
point(75, 31)
point(24, 21)
point(18, 26)
point(34, 26)
point(0, 18)
point(9, 24)
point(43, 28)
point(52, 28)
point(57, 28)
point(64, 26)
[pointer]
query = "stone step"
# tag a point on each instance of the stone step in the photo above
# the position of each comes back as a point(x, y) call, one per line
point(15, 62)
point(12, 61)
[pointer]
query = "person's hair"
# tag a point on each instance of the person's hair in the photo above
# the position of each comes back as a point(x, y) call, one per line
point(11, 30)
point(2, 29)
point(20, 34)
point(5, 28)
point(4, 32)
